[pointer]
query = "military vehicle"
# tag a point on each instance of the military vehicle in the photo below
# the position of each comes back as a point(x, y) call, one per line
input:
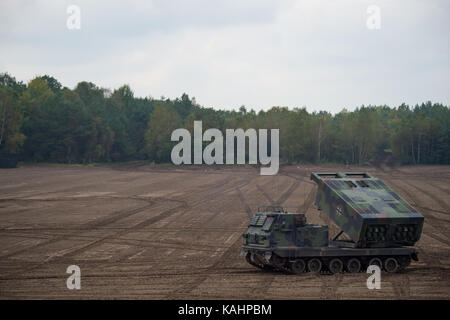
point(381, 228)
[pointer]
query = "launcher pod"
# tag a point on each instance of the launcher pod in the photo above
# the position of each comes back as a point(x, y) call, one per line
point(367, 210)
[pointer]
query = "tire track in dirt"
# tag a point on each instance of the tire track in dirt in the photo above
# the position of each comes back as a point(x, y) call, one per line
point(400, 283)
point(433, 221)
point(73, 180)
point(88, 226)
point(308, 201)
point(149, 243)
point(439, 188)
point(147, 222)
point(221, 188)
point(329, 285)
point(228, 255)
point(285, 195)
point(302, 178)
point(165, 214)
point(63, 229)
point(215, 214)
point(242, 199)
point(384, 174)
point(88, 198)
point(436, 221)
point(141, 225)
point(92, 263)
point(83, 186)
point(438, 200)
point(433, 210)
point(114, 217)
point(387, 175)
point(434, 236)
point(395, 173)
point(269, 198)
point(75, 235)
point(130, 241)
point(231, 273)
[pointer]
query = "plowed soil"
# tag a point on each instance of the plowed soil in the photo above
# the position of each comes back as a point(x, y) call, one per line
point(138, 231)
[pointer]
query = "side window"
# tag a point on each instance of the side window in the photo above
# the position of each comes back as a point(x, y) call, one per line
point(268, 223)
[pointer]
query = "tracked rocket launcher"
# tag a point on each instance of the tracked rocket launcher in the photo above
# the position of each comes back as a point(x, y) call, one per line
point(382, 228)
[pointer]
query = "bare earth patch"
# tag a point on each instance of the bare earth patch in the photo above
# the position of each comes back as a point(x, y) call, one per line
point(147, 232)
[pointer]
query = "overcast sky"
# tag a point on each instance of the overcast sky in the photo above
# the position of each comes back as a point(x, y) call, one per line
point(258, 53)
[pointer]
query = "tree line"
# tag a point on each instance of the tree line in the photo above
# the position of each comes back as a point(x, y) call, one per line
point(42, 121)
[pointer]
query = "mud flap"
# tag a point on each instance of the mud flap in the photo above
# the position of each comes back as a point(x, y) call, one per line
point(415, 257)
point(243, 253)
point(267, 255)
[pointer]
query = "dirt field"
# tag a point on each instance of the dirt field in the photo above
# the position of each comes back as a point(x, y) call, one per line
point(175, 233)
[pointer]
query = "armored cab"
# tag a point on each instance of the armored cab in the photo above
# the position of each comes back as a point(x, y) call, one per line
point(367, 210)
point(274, 235)
point(273, 226)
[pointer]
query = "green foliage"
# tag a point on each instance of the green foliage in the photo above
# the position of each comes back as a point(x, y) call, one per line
point(422, 134)
point(45, 121)
point(163, 121)
point(11, 119)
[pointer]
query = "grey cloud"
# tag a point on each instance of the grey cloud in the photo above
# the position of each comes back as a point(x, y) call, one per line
point(227, 53)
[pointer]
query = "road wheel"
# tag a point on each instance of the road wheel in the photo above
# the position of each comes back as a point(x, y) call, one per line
point(314, 265)
point(353, 265)
point(376, 262)
point(391, 265)
point(248, 258)
point(335, 266)
point(298, 266)
point(277, 261)
point(251, 260)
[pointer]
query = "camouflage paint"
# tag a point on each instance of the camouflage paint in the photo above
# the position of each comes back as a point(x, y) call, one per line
point(381, 224)
point(367, 210)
